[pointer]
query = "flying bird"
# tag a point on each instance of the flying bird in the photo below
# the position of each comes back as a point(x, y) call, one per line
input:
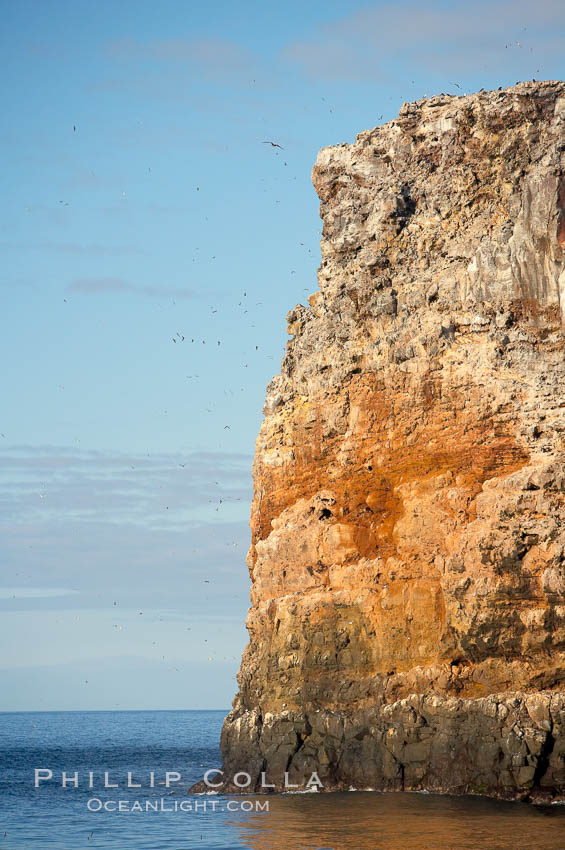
point(274, 145)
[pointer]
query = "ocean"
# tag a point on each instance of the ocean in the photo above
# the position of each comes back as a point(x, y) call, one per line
point(148, 744)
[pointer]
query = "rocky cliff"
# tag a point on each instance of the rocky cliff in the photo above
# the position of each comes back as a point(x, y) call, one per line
point(407, 627)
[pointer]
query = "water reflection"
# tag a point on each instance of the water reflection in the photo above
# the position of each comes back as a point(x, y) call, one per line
point(371, 821)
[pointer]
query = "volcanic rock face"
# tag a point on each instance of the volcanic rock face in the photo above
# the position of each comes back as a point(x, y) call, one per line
point(407, 627)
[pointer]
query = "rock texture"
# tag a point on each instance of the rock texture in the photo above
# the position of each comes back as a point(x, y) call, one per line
point(407, 627)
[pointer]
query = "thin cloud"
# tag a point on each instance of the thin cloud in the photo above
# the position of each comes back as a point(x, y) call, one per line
point(93, 249)
point(165, 532)
point(75, 248)
point(216, 56)
point(464, 37)
point(47, 484)
point(330, 58)
point(117, 285)
point(173, 69)
point(36, 592)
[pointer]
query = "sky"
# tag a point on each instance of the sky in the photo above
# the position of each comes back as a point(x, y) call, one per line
point(152, 245)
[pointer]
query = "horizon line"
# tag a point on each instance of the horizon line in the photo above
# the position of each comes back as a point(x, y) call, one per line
point(100, 710)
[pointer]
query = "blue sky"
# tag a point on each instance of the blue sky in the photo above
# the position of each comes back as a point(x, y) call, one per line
point(140, 207)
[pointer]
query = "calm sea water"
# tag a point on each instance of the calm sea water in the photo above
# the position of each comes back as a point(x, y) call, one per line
point(187, 742)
